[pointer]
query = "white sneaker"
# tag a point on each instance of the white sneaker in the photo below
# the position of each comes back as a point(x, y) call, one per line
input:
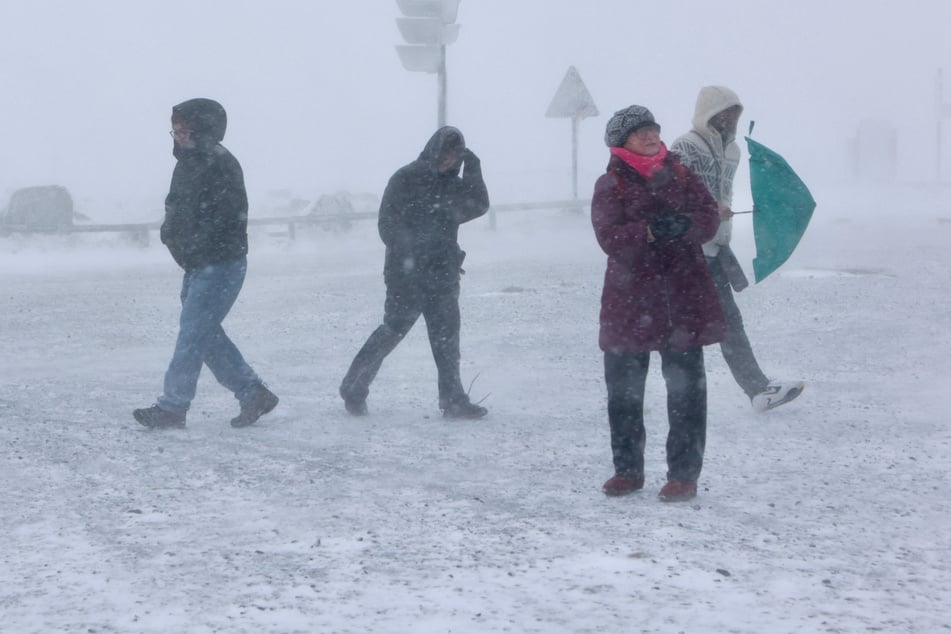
point(777, 393)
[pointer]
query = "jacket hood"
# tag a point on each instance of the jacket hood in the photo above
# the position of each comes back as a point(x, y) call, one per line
point(711, 101)
point(207, 120)
point(446, 139)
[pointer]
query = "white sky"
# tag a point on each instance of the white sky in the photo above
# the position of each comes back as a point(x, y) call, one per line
point(318, 101)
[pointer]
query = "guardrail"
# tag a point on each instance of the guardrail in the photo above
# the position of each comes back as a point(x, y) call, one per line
point(140, 231)
point(575, 205)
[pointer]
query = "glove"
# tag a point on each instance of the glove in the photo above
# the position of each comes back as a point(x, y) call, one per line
point(472, 165)
point(669, 226)
point(470, 159)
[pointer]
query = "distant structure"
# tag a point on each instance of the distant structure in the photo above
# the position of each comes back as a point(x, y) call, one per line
point(873, 152)
point(41, 209)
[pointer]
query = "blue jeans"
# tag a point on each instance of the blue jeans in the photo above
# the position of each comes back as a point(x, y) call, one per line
point(207, 295)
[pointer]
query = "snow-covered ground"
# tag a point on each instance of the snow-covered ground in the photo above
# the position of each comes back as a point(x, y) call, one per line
point(832, 514)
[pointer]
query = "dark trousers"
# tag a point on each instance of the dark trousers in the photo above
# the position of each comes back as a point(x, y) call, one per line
point(405, 302)
point(625, 375)
point(736, 348)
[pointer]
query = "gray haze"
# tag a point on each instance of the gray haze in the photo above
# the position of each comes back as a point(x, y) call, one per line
point(318, 101)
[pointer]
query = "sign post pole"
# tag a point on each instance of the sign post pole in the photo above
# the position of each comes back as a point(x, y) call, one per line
point(428, 28)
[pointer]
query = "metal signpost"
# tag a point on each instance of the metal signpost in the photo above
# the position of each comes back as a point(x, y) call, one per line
point(429, 26)
point(572, 100)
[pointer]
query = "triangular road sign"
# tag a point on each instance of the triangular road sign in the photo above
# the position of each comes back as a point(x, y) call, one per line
point(572, 99)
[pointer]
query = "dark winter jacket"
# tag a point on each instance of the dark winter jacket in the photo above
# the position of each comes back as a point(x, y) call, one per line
point(422, 209)
point(206, 210)
point(656, 294)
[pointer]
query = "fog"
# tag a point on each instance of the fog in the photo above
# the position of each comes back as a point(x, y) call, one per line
point(830, 514)
point(318, 101)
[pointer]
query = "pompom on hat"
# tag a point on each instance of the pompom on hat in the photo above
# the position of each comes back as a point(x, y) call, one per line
point(625, 121)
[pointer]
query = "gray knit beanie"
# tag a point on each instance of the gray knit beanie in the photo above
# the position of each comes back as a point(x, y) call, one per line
point(625, 121)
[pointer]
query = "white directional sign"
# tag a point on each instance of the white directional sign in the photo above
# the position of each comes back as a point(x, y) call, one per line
point(572, 99)
point(428, 28)
point(445, 10)
point(421, 59)
point(430, 31)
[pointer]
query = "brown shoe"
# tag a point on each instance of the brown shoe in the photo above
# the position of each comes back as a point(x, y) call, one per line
point(622, 485)
point(678, 491)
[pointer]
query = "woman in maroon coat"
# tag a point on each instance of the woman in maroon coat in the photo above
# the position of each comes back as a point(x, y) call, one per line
point(651, 215)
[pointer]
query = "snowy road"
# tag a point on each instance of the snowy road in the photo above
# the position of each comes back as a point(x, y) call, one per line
point(832, 514)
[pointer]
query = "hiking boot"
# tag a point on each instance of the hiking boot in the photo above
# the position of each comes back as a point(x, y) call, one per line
point(678, 491)
point(464, 410)
point(777, 393)
point(157, 418)
point(622, 485)
point(263, 402)
point(356, 408)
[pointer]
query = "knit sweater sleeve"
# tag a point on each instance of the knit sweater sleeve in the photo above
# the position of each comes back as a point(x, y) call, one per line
point(698, 158)
point(699, 161)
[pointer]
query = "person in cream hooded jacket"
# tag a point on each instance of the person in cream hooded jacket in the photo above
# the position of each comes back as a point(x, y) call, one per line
point(709, 149)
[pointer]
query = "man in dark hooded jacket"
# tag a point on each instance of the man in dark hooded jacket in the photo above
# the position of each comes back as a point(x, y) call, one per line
point(423, 205)
point(205, 230)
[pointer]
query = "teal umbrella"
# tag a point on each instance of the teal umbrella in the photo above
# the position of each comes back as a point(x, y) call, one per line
point(782, 208)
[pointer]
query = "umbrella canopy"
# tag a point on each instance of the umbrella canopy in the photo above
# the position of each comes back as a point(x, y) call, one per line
point(782, 208)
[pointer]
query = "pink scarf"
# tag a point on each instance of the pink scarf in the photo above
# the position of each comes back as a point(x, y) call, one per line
point(647, 166)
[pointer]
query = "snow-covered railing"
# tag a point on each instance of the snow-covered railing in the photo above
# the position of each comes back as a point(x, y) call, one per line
point(140, 231)
point(567, 205)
